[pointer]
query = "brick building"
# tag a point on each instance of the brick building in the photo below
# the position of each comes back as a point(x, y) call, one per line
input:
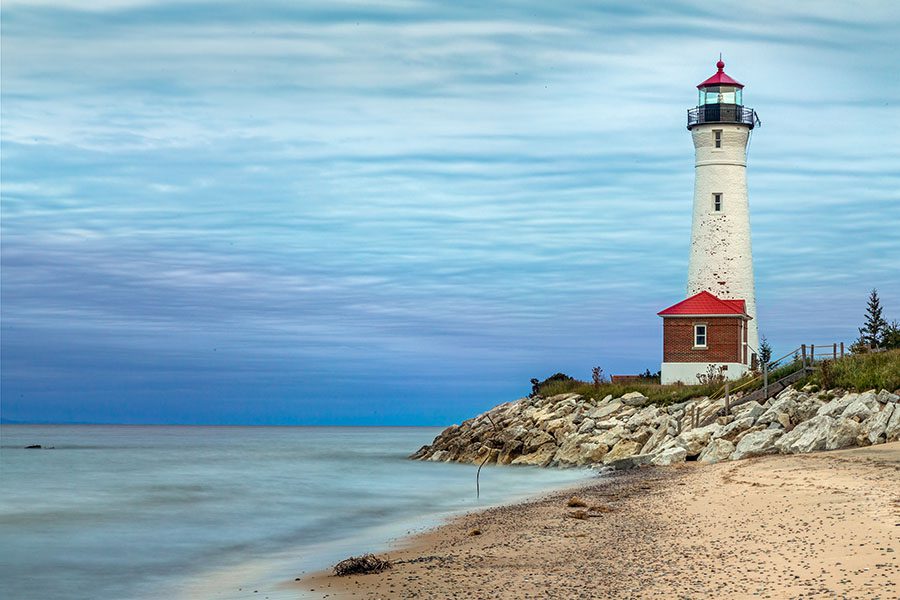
point(704, 330)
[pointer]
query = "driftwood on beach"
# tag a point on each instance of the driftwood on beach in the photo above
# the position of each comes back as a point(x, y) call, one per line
point(359, 565)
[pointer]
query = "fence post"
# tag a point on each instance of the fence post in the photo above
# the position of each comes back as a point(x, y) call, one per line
point(835, 351)
point(727, 399)
point(812, 354)
point(842, 349)
point(803, 354)
point(765, 381)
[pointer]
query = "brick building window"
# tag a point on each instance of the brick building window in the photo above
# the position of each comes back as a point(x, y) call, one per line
point(717, 202)
point(700, 335)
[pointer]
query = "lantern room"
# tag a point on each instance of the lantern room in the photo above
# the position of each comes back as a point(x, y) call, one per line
point(721, 100)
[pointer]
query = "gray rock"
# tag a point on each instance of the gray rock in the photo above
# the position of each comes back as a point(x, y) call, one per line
point(892, 431)
point(630, 462)
point(730, 431)
point(751, 410)
point(634, 399)
point(843, 434)
point(863, 407)
point(757, 443)
point(612, 436)
point(658, 436)
point(643, 417)
point(670, 456)
point(786, 406)
point(623, 449)
point(885, 397)
point(808, 436)
point(874, 428)
point(835, 407)
point(604, 410)
point(538, 438)
point(695, 440)
point(586, 426)
point(717, 450)
point(540, 457)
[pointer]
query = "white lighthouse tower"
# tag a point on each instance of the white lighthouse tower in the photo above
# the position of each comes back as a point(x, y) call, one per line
point(721, 260)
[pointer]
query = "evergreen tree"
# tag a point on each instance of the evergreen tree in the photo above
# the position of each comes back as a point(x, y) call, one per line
point(765, 351)
point(891, 337)
point(872, 331)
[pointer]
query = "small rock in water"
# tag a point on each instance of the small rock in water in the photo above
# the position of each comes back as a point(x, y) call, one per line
point(33, 447)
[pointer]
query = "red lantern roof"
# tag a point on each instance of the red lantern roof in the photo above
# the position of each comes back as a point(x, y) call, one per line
point(706, 305)
point(720, 78)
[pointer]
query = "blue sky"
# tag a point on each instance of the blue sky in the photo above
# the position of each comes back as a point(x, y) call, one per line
point(399, 212)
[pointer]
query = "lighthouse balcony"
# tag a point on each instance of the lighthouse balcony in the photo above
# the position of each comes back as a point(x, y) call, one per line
point(722, 113)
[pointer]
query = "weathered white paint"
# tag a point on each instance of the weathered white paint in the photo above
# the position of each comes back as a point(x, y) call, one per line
point(721, 259)
point(686, 372)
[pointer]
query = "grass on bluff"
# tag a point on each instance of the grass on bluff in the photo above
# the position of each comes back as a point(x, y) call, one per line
point(860, 372)
point(657, 393)
point(856, 372)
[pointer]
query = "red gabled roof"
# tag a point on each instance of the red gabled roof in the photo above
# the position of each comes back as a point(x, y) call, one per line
point(720, 78)
point(705, 304)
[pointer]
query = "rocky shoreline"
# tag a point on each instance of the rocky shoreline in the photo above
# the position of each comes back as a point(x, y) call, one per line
point(570, 430)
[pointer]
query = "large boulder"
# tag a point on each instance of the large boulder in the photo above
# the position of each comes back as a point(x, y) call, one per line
point(885, 397)
point(634, 399)
point(863, 407)
point(731, 431)
point(623, 449)
point(808, 436)
point(604, 410)
point(836, 406)
point(658, 436)
point(843, 434)
point(695, 440)
point(751, 410)
point(669, 457)
point(717, 450)
point(873, 430)
point(586, 426)
point(643, 417)
point(629, 462)
point(806, 409)
point(539, 458)
point(510, 451)
point(892, 431)
point(537, 438)
point(593, 452)
point(570, 454)
point(757, 443)
point(782, 406)
point(612, 436)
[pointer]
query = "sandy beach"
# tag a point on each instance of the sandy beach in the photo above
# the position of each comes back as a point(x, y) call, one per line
point(823, 525)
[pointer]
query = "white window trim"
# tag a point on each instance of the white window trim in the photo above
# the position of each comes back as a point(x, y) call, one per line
point(705, 336)
point(717, 138)
point(721, 198)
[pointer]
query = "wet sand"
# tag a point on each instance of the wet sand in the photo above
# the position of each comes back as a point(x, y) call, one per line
point(824, 525)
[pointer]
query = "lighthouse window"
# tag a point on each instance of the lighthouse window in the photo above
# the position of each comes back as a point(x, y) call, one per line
point(717, 202)
point(700, 336)
point(717, 137)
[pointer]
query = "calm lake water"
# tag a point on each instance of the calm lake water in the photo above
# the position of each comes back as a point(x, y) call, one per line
point(218, 512)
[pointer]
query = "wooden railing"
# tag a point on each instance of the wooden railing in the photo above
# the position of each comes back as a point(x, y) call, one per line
point(803, 357)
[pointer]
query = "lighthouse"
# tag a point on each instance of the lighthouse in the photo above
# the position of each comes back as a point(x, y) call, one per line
point(715, 326)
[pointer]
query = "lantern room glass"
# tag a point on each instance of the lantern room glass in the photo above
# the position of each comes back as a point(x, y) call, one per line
point(721, 94)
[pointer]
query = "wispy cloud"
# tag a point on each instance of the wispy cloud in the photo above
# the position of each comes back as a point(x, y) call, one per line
point(412, 207)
